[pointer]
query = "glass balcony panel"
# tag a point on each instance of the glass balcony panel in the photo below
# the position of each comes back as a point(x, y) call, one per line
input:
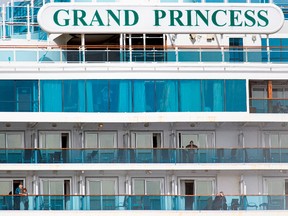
point(26, 55)
point(50, 56)
point(268, 106)
point(7, 55)
point(188, 56)
point(144, 202)
point(201, 155)
point(211, 56)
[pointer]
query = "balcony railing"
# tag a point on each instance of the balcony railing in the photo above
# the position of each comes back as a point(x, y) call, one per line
point(215, 155)
point(143, 202)
point(268, 105)
point(48, 55)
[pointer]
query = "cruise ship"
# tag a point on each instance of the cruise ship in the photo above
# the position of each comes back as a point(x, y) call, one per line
point(144, 107)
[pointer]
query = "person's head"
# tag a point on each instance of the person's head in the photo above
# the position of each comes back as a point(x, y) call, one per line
point(221, 193)
point(24, 190)
point(20, 185)
point(191, 142)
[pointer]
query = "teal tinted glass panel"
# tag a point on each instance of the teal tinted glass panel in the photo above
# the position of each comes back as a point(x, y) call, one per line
point(62, 1)
point(259, 1)
point(214, 1)
point(139, 102)
point(18, 96)
point(192, 1)
point(236, 1)
point(235, 95)
point(213, 95)
point(166, 96)
point(121, 96)
point(73, 96)
point(7, 96)
point(98, 96)
point(27, 96)
point(106, 0)
point(190, 95)
point(150, 96)
point(51, 95)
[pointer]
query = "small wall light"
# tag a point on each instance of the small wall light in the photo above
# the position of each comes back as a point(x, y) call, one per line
point(146, 124)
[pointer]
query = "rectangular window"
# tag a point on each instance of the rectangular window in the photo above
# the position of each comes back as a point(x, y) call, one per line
point(236, 50)
point(18, 96)
point(101, 193)
point(213, 95)
point(100, 139)
point(235, 96)
point(73, 96)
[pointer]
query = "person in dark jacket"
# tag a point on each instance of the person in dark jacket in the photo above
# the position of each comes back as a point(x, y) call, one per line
point(219, 202)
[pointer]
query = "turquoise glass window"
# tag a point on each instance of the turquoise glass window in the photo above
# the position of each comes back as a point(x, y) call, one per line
point(214, 1)
point(235, 95)
point(278, 49)
point(190, 97)
point(98, 95)
point(213, 95)
point(166, 96)
point(237, 1)
point(51, 95)
point(123, 96)
point(18, 96)
point(192, 1)
point(259, 1)
point(73, 96)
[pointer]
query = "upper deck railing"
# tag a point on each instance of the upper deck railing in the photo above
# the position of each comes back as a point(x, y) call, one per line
point(98, 54)
point(159, 155)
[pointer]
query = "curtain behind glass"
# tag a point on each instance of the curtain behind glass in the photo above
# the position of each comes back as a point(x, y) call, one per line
point(213, 95)
point(236, 95)
point(74, 96)
point(139, 102)
point(190, 95)
point(51, 95)
point(167, 96)
point(125, 96)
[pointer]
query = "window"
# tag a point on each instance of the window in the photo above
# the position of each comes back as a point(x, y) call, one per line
point(276, 189)
point(236, 50)
point(146, 139)
point(100, 140)
point(277, 143)
point(55, 187)
point(11, 140)
point(205, 188)
point(101, 191)
point(18, 96)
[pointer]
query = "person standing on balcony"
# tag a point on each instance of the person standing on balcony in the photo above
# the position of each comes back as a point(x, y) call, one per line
point(219, 202)
point(25, 199)
point(18, 193)
point(191, 150)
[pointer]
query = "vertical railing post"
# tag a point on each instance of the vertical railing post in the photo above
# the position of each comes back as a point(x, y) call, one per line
point(176, 54)
point(82, 48)
point(222, 54)
point(268, 49)
point(28, 36)
point(3, 21)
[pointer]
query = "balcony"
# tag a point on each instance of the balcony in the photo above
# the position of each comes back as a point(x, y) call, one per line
point(146, 202)
point(268, 105)
point(182, 156)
